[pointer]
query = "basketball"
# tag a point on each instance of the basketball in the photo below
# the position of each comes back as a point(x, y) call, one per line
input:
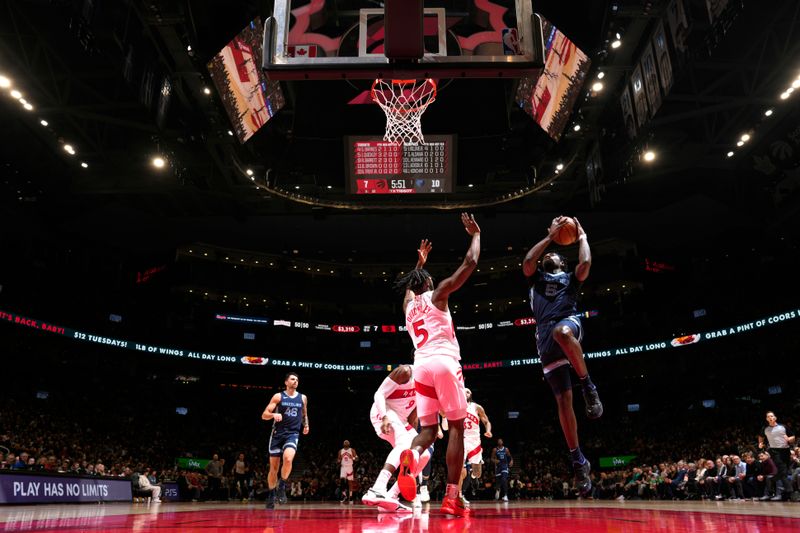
point(568, 233)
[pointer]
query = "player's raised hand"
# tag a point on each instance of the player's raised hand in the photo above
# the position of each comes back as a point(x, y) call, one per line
point(469, 224)
point(559, 221)
point(425, 247)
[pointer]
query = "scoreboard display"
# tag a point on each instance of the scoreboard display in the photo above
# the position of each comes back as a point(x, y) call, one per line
point(376, 166)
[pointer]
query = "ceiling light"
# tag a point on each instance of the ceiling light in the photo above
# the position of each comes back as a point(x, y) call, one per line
point(16, 94)
point(296, 186)
point(616, 44)
point(745, 137)
point(576, 127)
point(159, 162)
point(560, 166)
point(330, 186)
point(206, 90)
point(188, 47)
point(597, 86)
point(44, 123)
point(795, 83)
point(69, 149)
point(740, 143)
point(470, 185)
point(230, 133)
point(730, 154)
point(768, 113)
point(28, 107)
point(785, 95)
point(249, 172)
point(5, 83)
point(618, 36)
point(84, 164)
point(649, 155)
point(23, 101)
point(601, 75)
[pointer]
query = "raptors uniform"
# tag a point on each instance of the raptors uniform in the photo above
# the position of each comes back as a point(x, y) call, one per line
point(473, 453)
point(346, 471)
point(437, 371)
point(398, 404)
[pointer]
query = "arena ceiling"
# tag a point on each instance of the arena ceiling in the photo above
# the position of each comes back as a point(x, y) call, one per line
point(69, 58)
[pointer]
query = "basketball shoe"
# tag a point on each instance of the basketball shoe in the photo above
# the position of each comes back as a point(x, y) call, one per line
point(455, 506)
point(405, 476)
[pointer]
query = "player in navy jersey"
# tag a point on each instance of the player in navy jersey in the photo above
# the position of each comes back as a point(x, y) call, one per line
point(501, 457)
point(289, 412)
point(553, 295)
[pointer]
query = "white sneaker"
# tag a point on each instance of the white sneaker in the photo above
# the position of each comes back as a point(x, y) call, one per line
point(424, 495)
point(464, 499)
point(497, 495)
point(156, 501)
point(505, 498)
point(384, 502)
point(417, 503)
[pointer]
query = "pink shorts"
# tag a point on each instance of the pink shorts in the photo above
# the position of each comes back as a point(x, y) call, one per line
point(440, 387)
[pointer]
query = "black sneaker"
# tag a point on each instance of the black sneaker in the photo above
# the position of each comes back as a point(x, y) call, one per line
point(594, 409)
point(271, 499)
point(282, 494)
point(582, 480)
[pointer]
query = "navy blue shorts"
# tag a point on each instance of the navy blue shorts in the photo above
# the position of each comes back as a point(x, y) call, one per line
point(554, 361)
point(279, 442)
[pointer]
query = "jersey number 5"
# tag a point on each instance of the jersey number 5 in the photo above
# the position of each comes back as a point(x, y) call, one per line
point(419, 331)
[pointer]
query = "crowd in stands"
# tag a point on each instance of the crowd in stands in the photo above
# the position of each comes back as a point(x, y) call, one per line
point(712, 455)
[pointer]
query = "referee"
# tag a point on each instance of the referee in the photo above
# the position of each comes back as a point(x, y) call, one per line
point(779, 438)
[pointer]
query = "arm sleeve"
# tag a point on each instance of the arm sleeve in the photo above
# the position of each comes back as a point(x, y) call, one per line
point(387, 387)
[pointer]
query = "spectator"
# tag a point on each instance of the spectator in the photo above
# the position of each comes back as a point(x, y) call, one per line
point(214, 472)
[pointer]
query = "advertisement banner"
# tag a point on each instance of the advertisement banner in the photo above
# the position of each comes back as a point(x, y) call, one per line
point(190, 463)
point(662, 57)
point(627, 113)
point(639, 96)
point(32, 488)
point(616, 461)
point(650, 72)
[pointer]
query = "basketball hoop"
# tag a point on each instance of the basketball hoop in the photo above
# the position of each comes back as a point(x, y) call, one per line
point(404, 102)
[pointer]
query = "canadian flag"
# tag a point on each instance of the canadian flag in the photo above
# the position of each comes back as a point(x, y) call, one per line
point(303, 50)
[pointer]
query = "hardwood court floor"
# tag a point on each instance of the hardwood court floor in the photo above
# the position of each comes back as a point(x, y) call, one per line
point(552, 516)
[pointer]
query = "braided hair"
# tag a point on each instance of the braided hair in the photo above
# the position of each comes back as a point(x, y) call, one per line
point(415, 281)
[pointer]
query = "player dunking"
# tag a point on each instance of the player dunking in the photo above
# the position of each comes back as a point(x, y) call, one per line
point(394, 419)
point(347, 456)
point(473, 452)
point(437, 371)
point(289, 412)
point(553, 295)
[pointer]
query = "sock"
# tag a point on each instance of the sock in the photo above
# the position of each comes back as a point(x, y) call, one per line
point(586, 383)
point(451, 491)
point(394, 492)
point(577, 456)
point(383, 479)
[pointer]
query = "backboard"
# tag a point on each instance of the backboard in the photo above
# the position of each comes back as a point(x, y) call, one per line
point(347, 39)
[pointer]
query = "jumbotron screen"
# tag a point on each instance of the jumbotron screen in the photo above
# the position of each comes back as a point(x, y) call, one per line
point(375, 166)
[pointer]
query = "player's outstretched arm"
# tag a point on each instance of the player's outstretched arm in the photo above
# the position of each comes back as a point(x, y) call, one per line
point(269, 413)
point(584, 254)
point(485, 419)
point(462, 273)
point(533, 255)
point(305, 415)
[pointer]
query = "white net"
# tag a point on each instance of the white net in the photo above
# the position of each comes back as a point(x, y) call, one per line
point(404, 102)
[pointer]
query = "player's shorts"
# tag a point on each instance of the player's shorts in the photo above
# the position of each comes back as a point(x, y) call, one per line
point(402, 432)
point(440, 387)
point(554, 362)
point(279, 442)
point(473, 452)
point(346, 472)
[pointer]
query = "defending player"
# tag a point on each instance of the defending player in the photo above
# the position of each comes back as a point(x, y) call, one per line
point(289, 412)
point(437, 371)
point(503, 461)
point(473, 452)
point(394, 419)
point(346, 457)
point(553, 295)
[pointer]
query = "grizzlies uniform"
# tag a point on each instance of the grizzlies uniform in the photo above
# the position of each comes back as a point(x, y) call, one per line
point(554, 304)
point(286, 433)
point(501, 469)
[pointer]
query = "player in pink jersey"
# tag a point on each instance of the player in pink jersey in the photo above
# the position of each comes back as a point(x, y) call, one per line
point(393, 415)
point(437, 371)
point(473, 452)
point(347, 456)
